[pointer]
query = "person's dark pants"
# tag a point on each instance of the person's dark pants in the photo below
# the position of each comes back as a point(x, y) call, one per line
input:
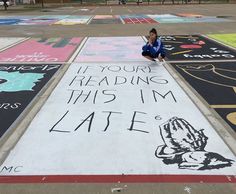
point(147, 53)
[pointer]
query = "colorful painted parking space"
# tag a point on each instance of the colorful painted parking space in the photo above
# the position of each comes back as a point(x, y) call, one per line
point(109, 19)
point(195, 48)
point(113, 116)
point(137, 19)
point(185, 18)
point(41, 50)
point(106, 19)
point(19, 84)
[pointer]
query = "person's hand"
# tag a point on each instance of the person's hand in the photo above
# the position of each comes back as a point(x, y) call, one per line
point(160, 58)
point(149, 41)
point(180, 136)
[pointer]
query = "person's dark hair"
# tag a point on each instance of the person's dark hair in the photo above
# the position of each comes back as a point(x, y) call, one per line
point(153, 30)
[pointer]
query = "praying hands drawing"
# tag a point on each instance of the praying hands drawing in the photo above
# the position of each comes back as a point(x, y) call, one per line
point(185, 146)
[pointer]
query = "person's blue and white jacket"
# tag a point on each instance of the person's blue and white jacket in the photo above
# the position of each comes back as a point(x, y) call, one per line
point(155, 49)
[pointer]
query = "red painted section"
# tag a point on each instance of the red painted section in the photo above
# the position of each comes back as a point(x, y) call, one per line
point(139, 20)
point(191, 46)
point(119, 178)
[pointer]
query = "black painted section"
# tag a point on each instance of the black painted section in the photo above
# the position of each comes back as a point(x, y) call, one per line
point(215, 82)
point(19, 84)
point(194, 47)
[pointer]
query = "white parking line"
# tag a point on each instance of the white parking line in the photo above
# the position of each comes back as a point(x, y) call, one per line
point(122, 20)
point(90, 20)
point(72, 58)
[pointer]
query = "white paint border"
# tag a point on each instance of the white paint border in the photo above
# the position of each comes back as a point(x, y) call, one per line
point(90, 19)
point(78, 49)
point(123, 22)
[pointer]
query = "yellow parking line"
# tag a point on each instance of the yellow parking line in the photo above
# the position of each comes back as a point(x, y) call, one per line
point(224, 106)
point(181, 52)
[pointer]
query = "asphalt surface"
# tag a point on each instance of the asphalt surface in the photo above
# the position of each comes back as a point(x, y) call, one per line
point(121, 29)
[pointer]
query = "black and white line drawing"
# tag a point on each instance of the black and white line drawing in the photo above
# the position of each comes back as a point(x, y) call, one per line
point(185, 146)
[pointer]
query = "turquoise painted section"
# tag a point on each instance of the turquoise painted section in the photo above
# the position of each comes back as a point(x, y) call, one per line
point(16, 81)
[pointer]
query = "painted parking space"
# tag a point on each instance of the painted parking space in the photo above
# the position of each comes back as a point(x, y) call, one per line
point(19, 84)
point(106, 19)
point(111, 49)
point(186, 18)
point(211, 19)
point(37, 21)
point(41, 50)
point(137, 19)
point(21, 20)
point(195, 48)
point(41, 20)
point(109, 19)
point(9, 21)
point(197, 18)
point(216, 83)
point(73, 20)
point(169, 18)
point(85, 140)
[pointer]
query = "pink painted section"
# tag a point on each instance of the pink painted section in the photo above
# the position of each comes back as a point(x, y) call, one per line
point(41, 50)
point(190, 46)
point(139, 20)
point(112, 49)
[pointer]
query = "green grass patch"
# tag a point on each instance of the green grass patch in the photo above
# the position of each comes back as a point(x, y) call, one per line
point(229, 39)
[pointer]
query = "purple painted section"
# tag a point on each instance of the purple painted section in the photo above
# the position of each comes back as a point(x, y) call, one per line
point(106, 49)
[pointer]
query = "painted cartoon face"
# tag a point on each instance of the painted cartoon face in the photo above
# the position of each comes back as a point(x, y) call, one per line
point(197, 67)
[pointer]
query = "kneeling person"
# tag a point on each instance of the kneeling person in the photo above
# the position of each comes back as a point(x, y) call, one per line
point(154, 47)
